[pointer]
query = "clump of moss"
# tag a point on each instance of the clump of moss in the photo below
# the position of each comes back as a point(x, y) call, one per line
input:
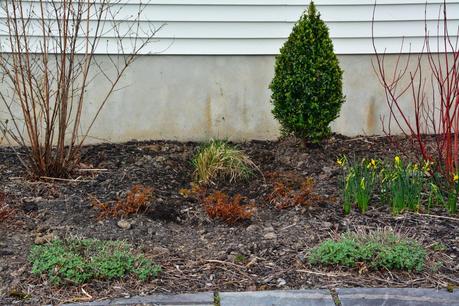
point(79, 261)
point(376, 250)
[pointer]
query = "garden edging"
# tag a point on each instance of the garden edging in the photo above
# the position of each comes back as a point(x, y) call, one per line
point(317, 297)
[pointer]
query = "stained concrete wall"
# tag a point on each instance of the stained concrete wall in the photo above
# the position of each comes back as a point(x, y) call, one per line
point(199, 97)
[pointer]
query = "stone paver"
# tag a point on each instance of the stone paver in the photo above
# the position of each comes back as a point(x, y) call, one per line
point(397, 297)
point(197, 299)
point(319, 297)
point(277, 298)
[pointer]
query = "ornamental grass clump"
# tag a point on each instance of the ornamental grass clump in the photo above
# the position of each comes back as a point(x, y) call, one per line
point(219, 159)
point(307, 85)
point(375, 250)
point(78, 261)
point(358, 182)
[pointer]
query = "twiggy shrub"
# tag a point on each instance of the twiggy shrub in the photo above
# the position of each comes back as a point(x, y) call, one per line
point(358, 183)
point(47, 63)
point(375, 250)
point(428, 80)
point(307, 86)
point(220, 206)
point(220, 159)
point(77, 261)
point(136, 201)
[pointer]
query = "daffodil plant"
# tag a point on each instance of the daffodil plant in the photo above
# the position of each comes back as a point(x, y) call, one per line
point(447, 198)
point(359, 181)
point(402, 185)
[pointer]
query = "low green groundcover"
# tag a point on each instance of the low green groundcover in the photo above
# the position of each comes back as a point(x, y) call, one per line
point(375, 250)
point(81, 260)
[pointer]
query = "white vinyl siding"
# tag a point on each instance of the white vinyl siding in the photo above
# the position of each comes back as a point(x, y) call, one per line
point(257, 27)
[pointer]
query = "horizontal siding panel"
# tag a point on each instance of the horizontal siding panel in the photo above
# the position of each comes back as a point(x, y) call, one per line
point(272, 2)
point(257, 30)
point(261, 27)
point(254, 13)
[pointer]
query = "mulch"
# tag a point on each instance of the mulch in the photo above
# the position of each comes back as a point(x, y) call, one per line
point(197, 253)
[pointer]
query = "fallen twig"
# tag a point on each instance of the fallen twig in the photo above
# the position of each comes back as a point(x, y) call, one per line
point(323, 273)
point(225, 263)
point(66, 180)
point(438, 217)
point(91, 170)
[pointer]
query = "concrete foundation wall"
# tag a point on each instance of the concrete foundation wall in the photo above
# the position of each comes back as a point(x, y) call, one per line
point(199, 97)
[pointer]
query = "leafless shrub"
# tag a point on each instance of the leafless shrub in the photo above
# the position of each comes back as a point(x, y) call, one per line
point(430, 80)
point(47, 60)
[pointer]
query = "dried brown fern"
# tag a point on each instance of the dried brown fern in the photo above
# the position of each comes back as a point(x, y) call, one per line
point(284, 196)
point(219, 205)
point(136, 201)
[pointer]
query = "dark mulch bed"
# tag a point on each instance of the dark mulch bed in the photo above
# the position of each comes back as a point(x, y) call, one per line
point(198, 254)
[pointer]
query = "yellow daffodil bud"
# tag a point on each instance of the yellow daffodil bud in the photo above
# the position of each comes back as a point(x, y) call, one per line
point(373, 163)
point(426, 166)
point(362, 183)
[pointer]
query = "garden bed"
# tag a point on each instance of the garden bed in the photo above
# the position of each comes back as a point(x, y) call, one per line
point(197, 253)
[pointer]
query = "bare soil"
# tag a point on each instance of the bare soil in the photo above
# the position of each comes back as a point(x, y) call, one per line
point(199, 254)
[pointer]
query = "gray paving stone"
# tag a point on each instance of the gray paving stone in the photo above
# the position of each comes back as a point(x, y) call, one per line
point(197, 299)
point(277, 298)
point(397, 297)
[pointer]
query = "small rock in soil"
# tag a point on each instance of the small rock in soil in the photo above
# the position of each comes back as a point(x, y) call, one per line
point(154, 147)
point(160, 159)
point(270, 235)
point(124, 224)
point(281, 282)
point(251, 228)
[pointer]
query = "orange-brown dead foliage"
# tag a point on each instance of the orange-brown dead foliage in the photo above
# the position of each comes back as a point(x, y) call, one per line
point(286, 192)
point(219, 205)
point(196, 191)
point(136, 201)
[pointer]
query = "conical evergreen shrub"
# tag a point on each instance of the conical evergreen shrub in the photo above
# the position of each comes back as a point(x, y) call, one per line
point(307, 86)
